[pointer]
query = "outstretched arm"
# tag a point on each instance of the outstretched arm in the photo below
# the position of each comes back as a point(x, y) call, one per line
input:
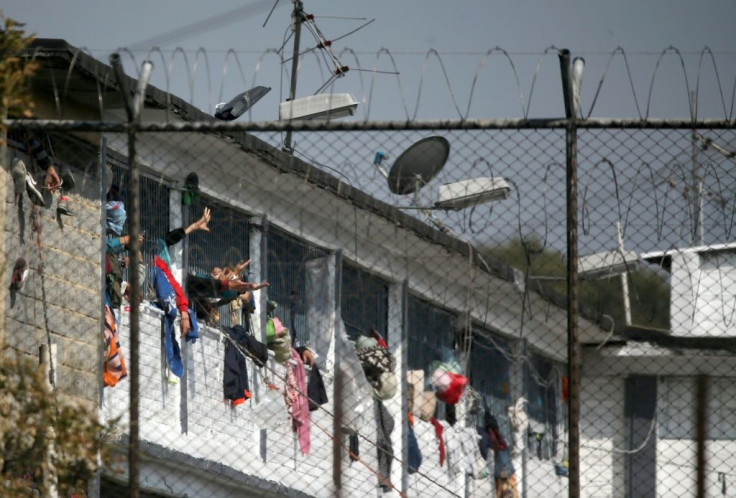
point(240, 286)
point(177, 235)
point(200, 224)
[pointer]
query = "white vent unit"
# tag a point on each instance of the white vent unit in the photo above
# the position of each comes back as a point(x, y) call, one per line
point(322, 106)
point(460, 195)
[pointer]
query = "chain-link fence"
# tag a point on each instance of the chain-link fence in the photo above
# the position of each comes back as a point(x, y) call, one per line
point(420, 309)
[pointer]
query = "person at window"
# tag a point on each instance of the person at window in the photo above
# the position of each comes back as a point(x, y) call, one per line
point(199, 288)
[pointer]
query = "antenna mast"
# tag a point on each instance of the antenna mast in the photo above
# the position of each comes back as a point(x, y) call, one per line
point(297, 17)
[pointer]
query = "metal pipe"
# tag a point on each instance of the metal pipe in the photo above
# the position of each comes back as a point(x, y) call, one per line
point(297, 18)
point(140, 91)
point(338, 388)
point(701, 433)
point(573, 342)
point(624, 275)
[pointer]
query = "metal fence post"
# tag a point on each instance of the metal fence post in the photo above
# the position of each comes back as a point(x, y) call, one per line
point(573, 345)
point(133, 109)
point(701, 433)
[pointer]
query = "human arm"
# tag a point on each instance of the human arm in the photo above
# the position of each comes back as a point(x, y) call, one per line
point(177, 235)
point(240, 286)
point(200, 224)
point(306, 354)
point(116, 245)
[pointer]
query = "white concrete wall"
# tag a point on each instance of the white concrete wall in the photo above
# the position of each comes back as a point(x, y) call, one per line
point(604, 442)
point(191, 418)
point(702, 301)
point(602, 432)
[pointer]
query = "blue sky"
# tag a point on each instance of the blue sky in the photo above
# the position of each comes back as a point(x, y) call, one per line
point(475, 59)
point(405, 35)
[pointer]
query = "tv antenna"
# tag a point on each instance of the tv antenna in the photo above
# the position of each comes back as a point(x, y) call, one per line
point(341, 104)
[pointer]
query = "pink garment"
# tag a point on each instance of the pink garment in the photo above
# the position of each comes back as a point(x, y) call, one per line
point(295, 394)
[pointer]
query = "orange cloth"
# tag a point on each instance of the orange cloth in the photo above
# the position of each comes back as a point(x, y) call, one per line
point(114, 368)
point(506, 487)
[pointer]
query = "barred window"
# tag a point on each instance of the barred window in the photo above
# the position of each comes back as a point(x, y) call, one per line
point(364, 303)
point(488, 369)
point(542, 384)
point(225, 244)
point(154, 217)
point(287, 256)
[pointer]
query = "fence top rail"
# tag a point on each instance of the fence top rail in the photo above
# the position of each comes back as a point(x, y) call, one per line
point(478, 124)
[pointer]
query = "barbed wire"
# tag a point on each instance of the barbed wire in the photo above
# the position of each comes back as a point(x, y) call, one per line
point(697, 78)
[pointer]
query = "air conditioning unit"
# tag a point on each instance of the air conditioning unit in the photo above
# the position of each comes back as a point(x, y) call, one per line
point(322, 106)
point(462, 194)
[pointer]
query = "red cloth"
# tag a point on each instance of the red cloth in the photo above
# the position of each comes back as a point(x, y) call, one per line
point(379, 339)
point(181, 299)
point(455, 390)
point(438, 432)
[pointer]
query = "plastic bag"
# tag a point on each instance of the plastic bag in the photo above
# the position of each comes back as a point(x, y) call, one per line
point(271, 409)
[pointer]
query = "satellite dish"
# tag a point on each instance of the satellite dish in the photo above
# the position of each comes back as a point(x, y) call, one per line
point(240, 103)
point(418, 164)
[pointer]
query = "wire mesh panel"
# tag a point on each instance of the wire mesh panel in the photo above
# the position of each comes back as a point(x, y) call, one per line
point(287, 257)
point(404, 323)
point(225, 245)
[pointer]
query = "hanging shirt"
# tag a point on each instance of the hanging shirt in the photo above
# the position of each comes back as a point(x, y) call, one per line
point(296, 400)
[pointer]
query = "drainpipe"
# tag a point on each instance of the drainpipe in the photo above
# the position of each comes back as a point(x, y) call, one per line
point(50, 478)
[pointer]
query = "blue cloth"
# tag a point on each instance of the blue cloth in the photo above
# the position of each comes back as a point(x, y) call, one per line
point(171, 346)
point(415, 456)
point(502, 466)
point(114, 246)
point(116, 216)
point(167, 301)
point(162, 250)
point(193, 333)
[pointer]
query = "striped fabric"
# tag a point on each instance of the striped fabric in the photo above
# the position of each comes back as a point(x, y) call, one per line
point(114, 368)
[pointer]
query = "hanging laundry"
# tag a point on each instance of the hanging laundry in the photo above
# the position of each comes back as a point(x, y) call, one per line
point(316, 389)
point(279, 340)
point(378, 365)
point(519, 421)
point(167, 300)
point(296, 400)
point(506, 487)
point(384, 428)
point(462, 450)
point(415, 456)
point(354, 447)
point(440, 440)
point(235, 376)
point(258, 351)
point(114, 367)
point(415, 388)
point(449, 382)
